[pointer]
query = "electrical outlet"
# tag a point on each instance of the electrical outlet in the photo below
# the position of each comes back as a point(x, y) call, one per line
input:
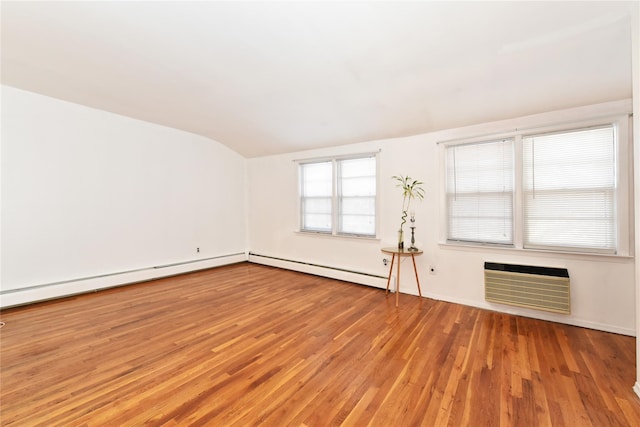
point(198, 250)
point(432, 269)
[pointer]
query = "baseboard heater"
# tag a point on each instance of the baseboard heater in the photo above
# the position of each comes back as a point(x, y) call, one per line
point(338, 273)
point(79, 285)
point(542, 288)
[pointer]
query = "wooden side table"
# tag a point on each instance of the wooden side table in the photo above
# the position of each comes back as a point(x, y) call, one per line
point(401, 253)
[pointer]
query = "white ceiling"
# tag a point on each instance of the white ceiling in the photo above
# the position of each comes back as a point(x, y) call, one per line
point(273, 77)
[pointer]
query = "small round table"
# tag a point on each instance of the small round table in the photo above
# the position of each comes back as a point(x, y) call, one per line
point(402, 253)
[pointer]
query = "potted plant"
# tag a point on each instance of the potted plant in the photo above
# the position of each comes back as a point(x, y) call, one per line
point(411, 189)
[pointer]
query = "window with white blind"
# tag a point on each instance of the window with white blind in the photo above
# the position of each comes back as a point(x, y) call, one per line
point(569, 182)
point(316, 196)
point(357, 196)
point(338, 196)
point(562, 189)
point(480, 192)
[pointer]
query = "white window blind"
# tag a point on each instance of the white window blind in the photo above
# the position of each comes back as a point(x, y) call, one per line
point(569, 183)
point(316, 196)
point(480, 192)
point(357, 196)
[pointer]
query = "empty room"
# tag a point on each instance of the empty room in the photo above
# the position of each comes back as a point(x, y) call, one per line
point(306, 213)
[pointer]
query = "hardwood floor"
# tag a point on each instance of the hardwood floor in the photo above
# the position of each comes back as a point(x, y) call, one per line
point(248, 345)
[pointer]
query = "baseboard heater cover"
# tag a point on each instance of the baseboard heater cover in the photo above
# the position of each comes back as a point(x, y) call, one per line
point(541, 288)
point(80, 285)
point(338, 273)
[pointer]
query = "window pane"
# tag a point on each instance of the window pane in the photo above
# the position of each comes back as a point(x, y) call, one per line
point(316, 214)
point(569, 190)
point(317, 205)
point(357, 196)
point(316, 179)
point(317, 222)
point(359, 186)
point(316, 189)
point(480, 192)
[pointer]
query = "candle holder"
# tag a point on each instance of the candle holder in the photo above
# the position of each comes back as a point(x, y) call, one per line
point(413, 238)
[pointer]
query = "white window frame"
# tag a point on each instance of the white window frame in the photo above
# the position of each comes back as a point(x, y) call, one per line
point(335, 196)
point(448, 199)
point(624, 183)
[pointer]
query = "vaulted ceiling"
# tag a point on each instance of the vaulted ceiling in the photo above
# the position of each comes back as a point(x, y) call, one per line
point(272, 77)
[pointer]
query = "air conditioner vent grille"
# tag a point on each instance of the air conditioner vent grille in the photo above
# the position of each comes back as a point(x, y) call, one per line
point(537, 291)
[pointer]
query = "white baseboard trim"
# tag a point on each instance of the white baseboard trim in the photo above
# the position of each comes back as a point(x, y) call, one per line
point(361, 278)
point(27, 295)
point(535, 314)
point(636, 388)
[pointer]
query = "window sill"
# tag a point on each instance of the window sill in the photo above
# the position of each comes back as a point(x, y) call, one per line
point(543, 253)
point(338, 236)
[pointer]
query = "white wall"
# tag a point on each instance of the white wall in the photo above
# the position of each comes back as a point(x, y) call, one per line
point(635, 56)
point(88, 194)
point(602, 288)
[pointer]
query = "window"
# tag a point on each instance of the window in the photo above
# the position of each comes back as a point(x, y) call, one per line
point(480, 192)
point(556, 190)
point(316, 196)
point(338, 196)
point(357, 196)
point(569, 184)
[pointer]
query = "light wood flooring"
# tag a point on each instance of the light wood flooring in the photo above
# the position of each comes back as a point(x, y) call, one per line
point(250, 345)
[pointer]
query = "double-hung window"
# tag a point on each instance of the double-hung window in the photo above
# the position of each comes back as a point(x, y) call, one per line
point(480, 192)
point(316, 196)
point(562, 189)
point(338, 195)
point(569, 182)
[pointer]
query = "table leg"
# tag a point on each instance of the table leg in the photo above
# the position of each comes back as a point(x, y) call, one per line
point(416, 271)
point(393, 257)
point(398, 281)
